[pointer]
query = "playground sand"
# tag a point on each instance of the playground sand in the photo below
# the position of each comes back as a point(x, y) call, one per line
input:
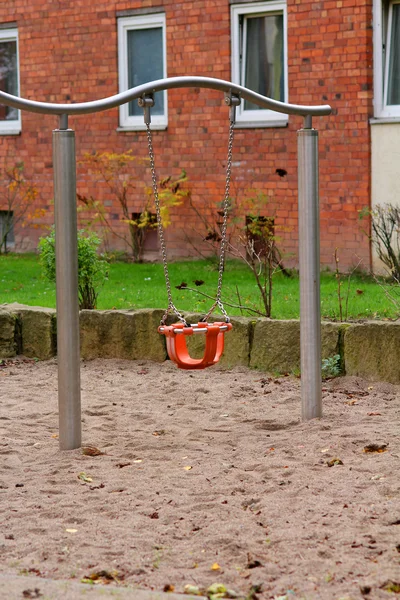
point(206, 477)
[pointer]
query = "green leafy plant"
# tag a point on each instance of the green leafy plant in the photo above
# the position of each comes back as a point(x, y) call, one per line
point(331, 367)
point(17, 196)
point(343, 301)
point(137, 206)
point(253, 240)
point(385, 235)
point(92, 270)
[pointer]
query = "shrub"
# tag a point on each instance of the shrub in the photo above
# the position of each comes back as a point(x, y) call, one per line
point(331, 367)
point(92, 270)
point(385, 236)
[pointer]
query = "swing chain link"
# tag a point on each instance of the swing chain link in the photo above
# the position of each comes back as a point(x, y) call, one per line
point(231, 101)
point(171, 306)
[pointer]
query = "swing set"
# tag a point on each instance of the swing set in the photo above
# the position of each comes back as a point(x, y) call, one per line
point(214, 332)
point(65, 216)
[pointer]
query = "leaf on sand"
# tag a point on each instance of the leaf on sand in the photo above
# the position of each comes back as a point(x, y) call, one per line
point(193, 590)
point(102, 577)
point(84, 477)
point(215, 567)
point(90, 450)
point(71, 530)
point(334, 461)
point(219, 590)
point(391, 586)
point(188, 468)
point(375, 448)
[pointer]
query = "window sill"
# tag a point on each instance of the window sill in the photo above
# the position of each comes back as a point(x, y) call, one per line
point(384, 120)
point(261, 124)
point(10, 131)
point(141, 128)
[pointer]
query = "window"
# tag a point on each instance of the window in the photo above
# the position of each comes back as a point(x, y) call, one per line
point(6, 230)
point(148, 235)
point(142, 58)
point(387, 58)
point(259, 59)
point(10, 118)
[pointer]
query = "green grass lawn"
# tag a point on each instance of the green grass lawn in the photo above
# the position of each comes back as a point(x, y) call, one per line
point(143, 286)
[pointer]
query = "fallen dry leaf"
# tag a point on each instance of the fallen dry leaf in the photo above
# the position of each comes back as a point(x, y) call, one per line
point(35, 593)
point(188, 468)
point(84, 477)
point(90, 450)
point(215, 567)
point(71, 530)
point(334, 461)
point(377, 448)
point(103, 577)
point(193, 590)
point(391, 586)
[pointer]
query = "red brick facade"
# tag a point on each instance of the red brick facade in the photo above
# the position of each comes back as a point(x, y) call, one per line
point(68, 52)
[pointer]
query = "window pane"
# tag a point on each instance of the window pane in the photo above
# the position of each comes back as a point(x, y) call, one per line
point(264, 69)
point(7, 226)
point(145, 63)
point(393, 95)
point(8, 77)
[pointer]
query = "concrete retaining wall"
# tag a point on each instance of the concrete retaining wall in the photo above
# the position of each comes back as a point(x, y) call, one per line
point(370, 349)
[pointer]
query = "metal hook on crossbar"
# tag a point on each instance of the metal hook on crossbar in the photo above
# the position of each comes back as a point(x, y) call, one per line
point(233, 101)
point(146, 102)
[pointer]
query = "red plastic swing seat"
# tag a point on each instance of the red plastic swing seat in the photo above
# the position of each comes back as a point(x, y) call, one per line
point(177, 348)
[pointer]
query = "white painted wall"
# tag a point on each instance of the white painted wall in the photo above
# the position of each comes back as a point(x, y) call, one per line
point(385, 169)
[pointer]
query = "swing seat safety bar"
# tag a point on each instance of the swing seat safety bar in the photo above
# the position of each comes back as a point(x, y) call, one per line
point(177, 348)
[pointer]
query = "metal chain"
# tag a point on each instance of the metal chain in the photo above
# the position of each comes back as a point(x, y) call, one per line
point(226, 204)
point(222, 250)
point(171, 306)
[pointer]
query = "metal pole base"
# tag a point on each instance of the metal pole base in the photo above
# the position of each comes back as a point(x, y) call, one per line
point(68, 350)
point(309, 264)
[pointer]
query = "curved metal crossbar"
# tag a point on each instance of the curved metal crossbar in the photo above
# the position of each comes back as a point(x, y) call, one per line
point(83, 108)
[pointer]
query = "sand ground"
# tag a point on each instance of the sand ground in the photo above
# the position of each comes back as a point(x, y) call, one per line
point(206, 476)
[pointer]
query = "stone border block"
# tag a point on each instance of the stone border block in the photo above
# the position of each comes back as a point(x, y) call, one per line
point(37, 330)
point(372, 351)
point(276, 344)
point(8, 324)
point(126, 334)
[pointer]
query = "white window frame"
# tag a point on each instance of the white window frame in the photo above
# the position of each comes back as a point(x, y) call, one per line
point(11, 127)
point(382, 16)
point(257, 118)
point(126, 24)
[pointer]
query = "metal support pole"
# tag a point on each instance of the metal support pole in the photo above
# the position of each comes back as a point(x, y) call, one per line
point(309, 263)
point(68, 352)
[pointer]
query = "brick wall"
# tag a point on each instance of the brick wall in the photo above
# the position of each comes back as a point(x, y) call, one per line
point(68, 51)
